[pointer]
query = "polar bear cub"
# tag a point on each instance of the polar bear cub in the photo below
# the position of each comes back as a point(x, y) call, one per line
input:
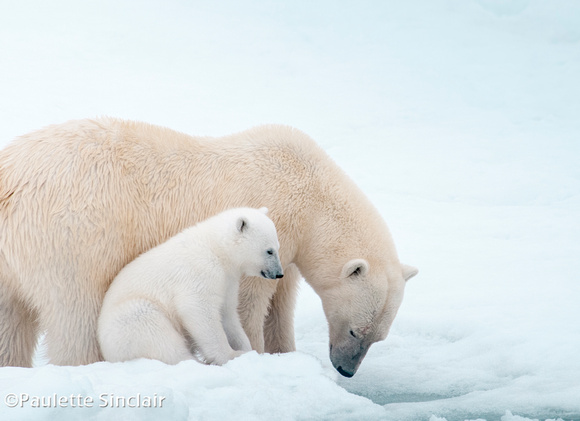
point(181, 297)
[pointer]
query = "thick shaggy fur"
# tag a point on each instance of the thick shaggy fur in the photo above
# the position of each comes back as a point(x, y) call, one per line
point(80, 200)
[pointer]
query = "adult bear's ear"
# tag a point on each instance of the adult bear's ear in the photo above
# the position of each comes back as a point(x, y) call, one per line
point(354, 268)
point(264, 210)
point(242, 224)
point(409, 271)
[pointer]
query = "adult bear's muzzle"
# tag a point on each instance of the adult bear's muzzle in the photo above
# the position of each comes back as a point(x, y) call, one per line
point(347, 359)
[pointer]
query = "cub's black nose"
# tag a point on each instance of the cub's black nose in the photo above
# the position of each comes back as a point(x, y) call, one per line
point(279, 275)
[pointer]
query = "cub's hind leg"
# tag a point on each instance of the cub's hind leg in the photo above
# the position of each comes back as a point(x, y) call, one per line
point(138, 328)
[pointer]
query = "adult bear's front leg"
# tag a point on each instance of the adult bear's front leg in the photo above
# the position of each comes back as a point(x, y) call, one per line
point(254, 299)
point(279, 325)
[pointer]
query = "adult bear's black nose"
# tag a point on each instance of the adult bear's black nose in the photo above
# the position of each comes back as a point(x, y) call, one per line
point(344, 373)
point(279, 275)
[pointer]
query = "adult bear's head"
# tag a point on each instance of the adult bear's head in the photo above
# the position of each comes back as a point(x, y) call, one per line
point(349, 259)
point(360, 311)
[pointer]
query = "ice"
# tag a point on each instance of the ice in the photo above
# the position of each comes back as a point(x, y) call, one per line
point(287, 387)
point(458, 118)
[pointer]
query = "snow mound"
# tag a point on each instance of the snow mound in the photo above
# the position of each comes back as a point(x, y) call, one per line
point(251, 387)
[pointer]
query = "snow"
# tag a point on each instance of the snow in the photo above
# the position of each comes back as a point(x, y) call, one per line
point(458, 118)
point(250, 387)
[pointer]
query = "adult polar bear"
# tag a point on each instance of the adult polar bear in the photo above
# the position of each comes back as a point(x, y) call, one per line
point(80, 200)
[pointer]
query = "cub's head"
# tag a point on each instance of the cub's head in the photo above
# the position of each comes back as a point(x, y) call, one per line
point(257, 243)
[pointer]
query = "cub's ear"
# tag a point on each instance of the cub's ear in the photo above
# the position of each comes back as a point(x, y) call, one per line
point(354, 268)
point(409, 271)
point(242, 224)
point(264, 210)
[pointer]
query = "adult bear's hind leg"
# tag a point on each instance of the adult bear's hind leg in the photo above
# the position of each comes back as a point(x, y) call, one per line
point(71, 327)
point(18, 330)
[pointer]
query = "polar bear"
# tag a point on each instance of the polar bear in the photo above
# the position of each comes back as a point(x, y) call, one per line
point(80, 200)
point(180, 298)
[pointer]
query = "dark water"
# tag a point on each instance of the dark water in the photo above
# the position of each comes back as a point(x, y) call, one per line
point(384, 398)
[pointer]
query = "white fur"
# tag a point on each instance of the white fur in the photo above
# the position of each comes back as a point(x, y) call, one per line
point(80, 200)
point(180, 298)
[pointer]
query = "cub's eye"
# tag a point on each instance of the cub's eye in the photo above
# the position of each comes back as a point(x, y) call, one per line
point(270, 251)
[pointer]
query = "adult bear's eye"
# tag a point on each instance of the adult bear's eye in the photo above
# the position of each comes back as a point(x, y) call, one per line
point(270, 251)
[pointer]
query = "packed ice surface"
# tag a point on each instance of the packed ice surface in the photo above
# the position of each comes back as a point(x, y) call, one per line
point(459, 119)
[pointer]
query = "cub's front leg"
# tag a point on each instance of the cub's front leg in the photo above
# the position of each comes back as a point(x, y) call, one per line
point(204, 325)
point(237, 338)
